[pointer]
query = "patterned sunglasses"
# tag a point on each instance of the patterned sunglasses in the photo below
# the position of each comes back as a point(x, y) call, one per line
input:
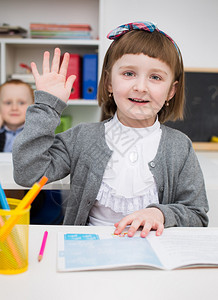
point(147, 26)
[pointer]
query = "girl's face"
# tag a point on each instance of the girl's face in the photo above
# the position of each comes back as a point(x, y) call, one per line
point(14, 100)
point(140, 85)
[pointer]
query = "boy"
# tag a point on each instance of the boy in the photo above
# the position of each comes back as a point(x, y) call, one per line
point(15, 97)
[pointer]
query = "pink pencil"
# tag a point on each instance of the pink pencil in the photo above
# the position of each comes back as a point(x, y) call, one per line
point(43, 246)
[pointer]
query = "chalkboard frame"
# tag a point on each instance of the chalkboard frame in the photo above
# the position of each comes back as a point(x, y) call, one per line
point(204, 146)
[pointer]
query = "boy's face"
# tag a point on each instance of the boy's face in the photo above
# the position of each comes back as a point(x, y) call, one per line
point(140, 86)
point(14, 100)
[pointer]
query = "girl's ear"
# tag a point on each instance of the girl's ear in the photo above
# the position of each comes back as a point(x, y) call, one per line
point(109, 88)
point(172, 90)
point(108, 82)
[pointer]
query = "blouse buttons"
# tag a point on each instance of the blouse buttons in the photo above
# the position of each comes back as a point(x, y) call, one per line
point(133, 156)
point(152, 164)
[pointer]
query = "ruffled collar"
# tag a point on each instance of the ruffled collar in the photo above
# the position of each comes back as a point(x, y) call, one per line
point(127, 172)
point(114, 124)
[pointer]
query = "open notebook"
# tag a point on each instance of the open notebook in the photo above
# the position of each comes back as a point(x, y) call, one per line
point(176, 248)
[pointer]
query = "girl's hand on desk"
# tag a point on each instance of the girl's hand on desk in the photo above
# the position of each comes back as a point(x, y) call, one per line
point(54, 80)
point(148, 218)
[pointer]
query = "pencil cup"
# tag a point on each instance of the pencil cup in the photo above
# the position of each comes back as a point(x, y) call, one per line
point(14, 246)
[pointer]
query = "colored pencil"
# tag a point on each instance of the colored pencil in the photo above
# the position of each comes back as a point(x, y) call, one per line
point(24, 203)
point(41, 252)
point(3, 200)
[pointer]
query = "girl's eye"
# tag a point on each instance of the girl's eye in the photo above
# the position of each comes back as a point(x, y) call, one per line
point(155, 77)
point(128, 74)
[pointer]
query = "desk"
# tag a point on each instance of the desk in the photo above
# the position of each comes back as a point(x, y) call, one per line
point(41, 281)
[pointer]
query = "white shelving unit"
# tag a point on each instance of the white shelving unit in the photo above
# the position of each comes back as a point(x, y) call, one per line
point(103, 16)
point(14, 51)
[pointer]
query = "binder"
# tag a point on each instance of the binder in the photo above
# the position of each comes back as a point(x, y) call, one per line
point(74, 68)
point(90, 75)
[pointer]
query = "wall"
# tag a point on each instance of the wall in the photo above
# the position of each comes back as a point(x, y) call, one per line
point(193, 24)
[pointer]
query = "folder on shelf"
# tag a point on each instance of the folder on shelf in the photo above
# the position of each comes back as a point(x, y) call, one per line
point(74, 68)
point(90, 76)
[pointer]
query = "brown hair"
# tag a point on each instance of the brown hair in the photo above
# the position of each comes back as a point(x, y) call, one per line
point(18, 82)
point(153, 44)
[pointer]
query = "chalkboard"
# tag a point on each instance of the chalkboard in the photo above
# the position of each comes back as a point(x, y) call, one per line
point(201, 110)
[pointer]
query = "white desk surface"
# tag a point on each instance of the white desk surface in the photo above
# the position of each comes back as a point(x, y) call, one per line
point(208, 161)
point(42, 281)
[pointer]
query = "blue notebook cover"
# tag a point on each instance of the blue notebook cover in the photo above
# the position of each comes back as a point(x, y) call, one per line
point(90, 76)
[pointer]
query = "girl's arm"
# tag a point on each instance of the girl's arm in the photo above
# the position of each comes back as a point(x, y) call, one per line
point(36, 150)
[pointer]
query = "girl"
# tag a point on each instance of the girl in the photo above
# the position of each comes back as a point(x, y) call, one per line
point(130, 169)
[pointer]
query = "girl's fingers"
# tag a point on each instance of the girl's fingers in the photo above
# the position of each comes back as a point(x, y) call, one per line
point(45, 65)
point(56, 60)
point(34, 70)
point(146, 229)
point(64, 65)
point(120, 226)
point(69, 82)
point(134, 227)
point(148, 226)
point(135, 222)
point(160, 229)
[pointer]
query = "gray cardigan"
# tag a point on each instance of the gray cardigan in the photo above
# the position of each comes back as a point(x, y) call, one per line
point(83, 153)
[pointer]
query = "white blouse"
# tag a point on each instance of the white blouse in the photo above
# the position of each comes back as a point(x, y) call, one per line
point(128, 184)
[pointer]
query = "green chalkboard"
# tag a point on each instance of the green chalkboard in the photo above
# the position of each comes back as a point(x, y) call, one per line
point(201, 110)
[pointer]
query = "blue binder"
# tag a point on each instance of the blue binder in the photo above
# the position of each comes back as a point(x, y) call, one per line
point(90, 76)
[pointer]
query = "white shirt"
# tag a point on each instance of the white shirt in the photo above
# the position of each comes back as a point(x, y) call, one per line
point(128, 184)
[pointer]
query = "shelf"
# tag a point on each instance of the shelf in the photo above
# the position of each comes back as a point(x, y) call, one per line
point(83, 102)
point(14, 51)
point(79, 42)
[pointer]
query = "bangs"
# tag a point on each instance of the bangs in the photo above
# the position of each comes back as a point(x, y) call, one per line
point(153, 44)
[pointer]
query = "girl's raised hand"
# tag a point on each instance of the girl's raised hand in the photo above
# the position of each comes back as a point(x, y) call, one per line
point(148, 218)
point(54, 80)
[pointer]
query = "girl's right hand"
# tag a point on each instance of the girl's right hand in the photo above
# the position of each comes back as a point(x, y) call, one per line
point(54, 80)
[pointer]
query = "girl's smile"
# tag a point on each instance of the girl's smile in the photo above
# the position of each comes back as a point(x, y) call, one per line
point(140, 85)
point(138, 101)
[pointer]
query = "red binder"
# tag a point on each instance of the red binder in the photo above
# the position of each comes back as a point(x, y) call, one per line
point(74, 68)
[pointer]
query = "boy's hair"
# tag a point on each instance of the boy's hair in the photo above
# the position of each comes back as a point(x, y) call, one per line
point(18, 82)
point(155, 45)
